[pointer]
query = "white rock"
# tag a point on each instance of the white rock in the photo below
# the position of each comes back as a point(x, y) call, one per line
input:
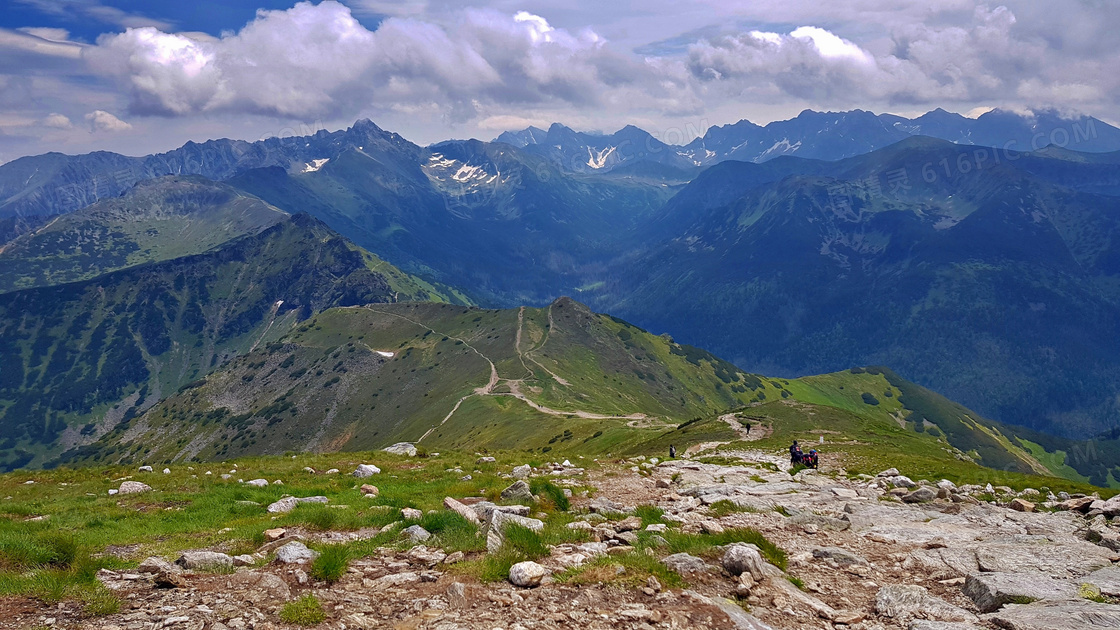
point(332, 471)
point(145, 469)
point(527, 574)
point(134, 487)
point(366, 470)
point(521, 472)
point(259, 483)
point(295, 552)
point(167, 471)
point(113, 491)
point(401, 448)
point(287, 504)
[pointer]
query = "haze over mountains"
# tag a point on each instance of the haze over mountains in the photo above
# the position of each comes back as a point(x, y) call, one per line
point(963, 253)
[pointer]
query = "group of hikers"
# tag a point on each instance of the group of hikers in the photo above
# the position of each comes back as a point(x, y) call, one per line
point(809, 460)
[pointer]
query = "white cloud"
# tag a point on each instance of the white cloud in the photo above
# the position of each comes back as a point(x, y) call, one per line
point(58, 121)
point(318, 60)
point(101, 120)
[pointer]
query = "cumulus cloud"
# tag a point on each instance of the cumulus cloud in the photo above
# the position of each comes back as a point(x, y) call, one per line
point(101, 120)
point(318, 60)
point(58, 121)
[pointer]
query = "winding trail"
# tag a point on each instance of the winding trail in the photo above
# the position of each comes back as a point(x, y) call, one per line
point(514, 384)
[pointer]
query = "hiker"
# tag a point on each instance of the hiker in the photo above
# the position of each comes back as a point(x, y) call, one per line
point(672, 452)
point(795, 453)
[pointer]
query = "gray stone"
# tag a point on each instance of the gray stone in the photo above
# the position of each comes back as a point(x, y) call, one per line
point(366, 470)
point(204, 560)
point(923, 624)
point(287, 504)
point(1080, 615)
point(518, 491)
point(259, 483)
point(1107, 580)
point(902, 481)
point(842, 557)
point(499, 521)
point(402, 448)
point(145, 469)
point(683, 563)
point(823, 522)
point(522, 472)
point(990, 591)
point(155, 565)
point(411, 514)
point(485, 509)
point(527, 574)
point(742, 558)
point(890, 472)
point(295, 553)
point(133, 487)
point(244, 560)
point(921, 495)
point(606, 507)
point(899, 600)
point(845, 493)
point(462, 510)
point(1075, 559)
point(416, 533)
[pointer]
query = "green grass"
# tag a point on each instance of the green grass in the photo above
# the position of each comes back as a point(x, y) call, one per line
point(305, 611)
point(550, 492)
point(650, 514)
point(630, 570)
point(331, 564)
point(707, 545)
point(724, 507)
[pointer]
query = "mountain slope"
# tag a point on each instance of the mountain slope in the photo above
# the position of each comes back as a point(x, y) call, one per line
point(77, 358)
point(157, 220)
point(991, 285)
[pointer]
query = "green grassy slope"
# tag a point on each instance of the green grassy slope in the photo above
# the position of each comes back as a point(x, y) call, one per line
point(161, 219)
point(561, 379)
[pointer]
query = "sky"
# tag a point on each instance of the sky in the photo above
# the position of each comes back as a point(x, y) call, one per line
point(138, 77)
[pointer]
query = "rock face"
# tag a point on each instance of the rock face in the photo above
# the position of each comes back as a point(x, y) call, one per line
point(903, 601)
point(133, 487)
point(527, 574)
point(295, 553)
point(366, 470)
point(842, 557)
point(204, 560)
point(287, 504)
point(518, 491)
point(499, 521)
point(990, 591)
point(402, 448)
point(1079, 615)
point(1107, 580)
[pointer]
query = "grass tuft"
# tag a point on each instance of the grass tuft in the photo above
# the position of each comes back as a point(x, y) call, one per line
point(332, 563)
point(551, 493)
point(305, 611)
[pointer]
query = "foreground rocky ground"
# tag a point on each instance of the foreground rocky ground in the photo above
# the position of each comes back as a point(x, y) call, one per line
point(864, 553)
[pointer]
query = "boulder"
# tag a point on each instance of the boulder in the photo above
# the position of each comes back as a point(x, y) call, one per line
point(462, 510)
point(628, 524)
point(1111, 507)
point(287, 504)
point(1022, 505)
point(522, 472)
point(416, 533)
point(499, 521)
point(133, 487)
point(518, 491)
point(204, 560)
point(411, 514)
point(527, 574)
point(244, 560)
point(366, 470)
point(370, 491)
point(898, 600)
point(1079, 615)
point(902, 481)
point(921, 495)
point(485, 460)
point(1076, 505)
point(485, 509)
point(274, 534)
point(145, 469)
point(402, 448)
point(845, 493)
point(684, 563)
point(1074, 559)
point(259, 483)
point(295, 553)
point(741, 558)
point(990, 591)
point(156, 565)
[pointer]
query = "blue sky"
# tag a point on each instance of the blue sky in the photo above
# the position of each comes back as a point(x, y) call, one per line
point(139, 77)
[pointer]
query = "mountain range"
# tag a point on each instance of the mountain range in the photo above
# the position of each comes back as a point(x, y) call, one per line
point(986, 273)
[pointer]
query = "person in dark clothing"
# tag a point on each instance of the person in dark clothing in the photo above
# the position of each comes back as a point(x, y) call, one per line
point(794, 453)
point(672, 452)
